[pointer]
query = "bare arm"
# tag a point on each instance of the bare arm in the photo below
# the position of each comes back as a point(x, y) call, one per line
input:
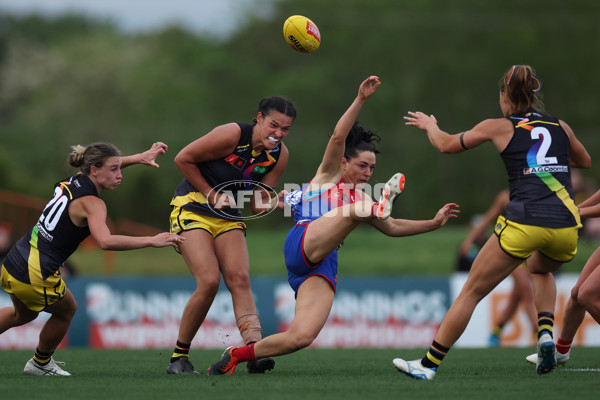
point(498, 130)
point(407, 227)
point(92, 210)
point(330, 170)
point(147, 158)
point(591, 201)
point(579, 155)
point(216, 144)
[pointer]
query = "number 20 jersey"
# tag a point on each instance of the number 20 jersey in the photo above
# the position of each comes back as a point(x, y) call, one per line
point(45, 247)
point(537, 162)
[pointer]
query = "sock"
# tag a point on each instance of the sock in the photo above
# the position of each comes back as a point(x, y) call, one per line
point(563, 346)
point(181, 350)
point(545, 323)
point(244, 353)
point(434, 356)
point(42, 358)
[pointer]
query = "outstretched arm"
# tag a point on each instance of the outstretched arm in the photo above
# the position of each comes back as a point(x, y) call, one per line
point(408, 227)
point(148, 157)
point(498, 130)
point(92, 210)
point(330, 170)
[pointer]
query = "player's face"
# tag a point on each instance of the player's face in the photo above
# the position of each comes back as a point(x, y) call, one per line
point(109, 175)
point(274, 128)
point(358, 170)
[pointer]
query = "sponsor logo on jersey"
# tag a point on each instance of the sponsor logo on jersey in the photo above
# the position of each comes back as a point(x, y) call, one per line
point(545, 168)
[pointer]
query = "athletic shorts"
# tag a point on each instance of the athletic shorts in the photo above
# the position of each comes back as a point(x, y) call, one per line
point(36, 298)
point(299, 268)
point(183, 220)
point(520, 241)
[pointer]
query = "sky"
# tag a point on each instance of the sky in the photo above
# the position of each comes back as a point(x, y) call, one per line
point(218, 18)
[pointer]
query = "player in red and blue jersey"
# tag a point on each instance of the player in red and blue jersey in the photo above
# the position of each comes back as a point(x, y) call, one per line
point(541, 221)
point(326, 210)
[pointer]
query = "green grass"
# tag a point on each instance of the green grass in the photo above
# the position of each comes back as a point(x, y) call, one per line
point(365, 252)
point(308, 374)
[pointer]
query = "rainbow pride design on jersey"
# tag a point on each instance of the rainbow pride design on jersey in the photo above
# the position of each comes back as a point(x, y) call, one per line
point(544, 173)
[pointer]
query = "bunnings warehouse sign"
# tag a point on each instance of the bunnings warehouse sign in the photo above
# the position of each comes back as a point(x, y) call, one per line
point(367, 312)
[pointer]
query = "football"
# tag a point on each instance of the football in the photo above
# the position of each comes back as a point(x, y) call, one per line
point(301, 34)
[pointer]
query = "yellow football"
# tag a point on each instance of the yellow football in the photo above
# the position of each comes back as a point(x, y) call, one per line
point(301, 34)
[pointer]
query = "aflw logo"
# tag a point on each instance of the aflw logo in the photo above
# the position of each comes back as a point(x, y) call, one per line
point(243, 195)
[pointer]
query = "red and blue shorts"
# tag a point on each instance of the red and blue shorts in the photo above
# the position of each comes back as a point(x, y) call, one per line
point(299, 267)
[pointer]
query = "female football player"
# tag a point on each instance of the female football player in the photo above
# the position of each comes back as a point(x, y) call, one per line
point(326, 210)
point(30, 272)
point(541, 221)
point(230, 159)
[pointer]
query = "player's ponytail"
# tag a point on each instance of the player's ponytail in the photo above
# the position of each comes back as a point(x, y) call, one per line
point(521, 87)
point(93, 155)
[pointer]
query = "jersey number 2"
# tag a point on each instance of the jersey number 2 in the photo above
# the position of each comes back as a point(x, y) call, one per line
point(541, 156)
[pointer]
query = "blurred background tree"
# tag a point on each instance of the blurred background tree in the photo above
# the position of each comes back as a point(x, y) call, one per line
point(73, 80)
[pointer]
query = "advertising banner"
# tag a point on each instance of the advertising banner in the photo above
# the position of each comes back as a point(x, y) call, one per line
point(401, 312)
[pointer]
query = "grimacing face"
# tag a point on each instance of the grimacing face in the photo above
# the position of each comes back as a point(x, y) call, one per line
point(358, 170)
point(274, 128)
point(109, 175)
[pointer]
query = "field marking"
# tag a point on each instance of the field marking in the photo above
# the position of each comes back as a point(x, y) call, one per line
point(581, 369)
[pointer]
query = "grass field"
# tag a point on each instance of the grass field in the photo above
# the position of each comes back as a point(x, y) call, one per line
point(309, 374)
point(365, 252)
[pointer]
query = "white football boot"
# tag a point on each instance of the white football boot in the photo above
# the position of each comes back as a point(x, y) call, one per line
point(33, 368)
point(561, 359)
point(414, 369)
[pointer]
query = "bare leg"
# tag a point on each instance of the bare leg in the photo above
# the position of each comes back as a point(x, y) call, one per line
point(235, 267)
point(491, 266)
point(525, 290)
point(199, 254)
point(56, 327)
point(16, 315)
point(313, 305)
point(587, 288)
point(544, 285)
point(325, 234)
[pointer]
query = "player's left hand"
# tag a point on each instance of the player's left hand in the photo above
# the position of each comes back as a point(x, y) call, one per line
point(149, 156)
point(450, 210)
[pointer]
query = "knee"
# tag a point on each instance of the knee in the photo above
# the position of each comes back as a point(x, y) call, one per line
point(69, 311)
point(588, 299)
point(207, 287)
point(301, 340)
point(237, 281)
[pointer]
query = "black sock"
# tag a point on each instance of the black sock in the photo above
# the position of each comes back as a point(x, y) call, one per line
point(545, 323)
point(42, 358)
point(435, 355)
point(181, 350)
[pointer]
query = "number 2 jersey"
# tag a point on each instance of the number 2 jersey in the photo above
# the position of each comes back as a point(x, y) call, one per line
point(537, 161)
point(45, 247)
